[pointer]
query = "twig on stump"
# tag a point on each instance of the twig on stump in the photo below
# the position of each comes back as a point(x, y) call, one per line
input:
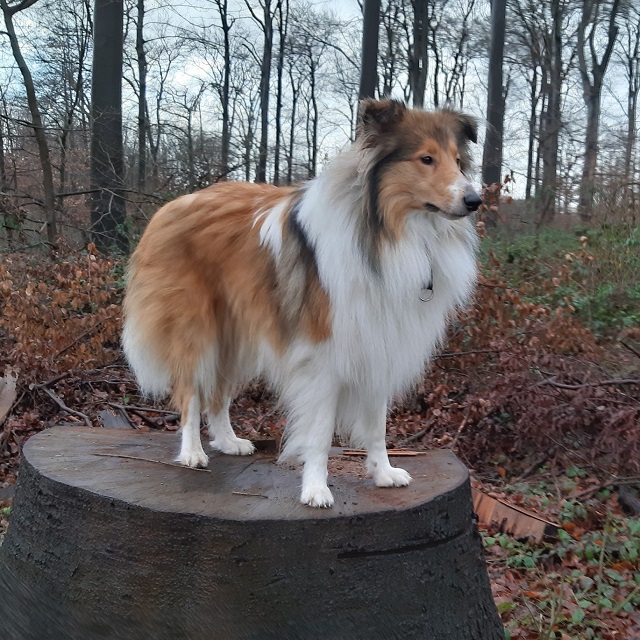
point(169, 464)
point(390, 452)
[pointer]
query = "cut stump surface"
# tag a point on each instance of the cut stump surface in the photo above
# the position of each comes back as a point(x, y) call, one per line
point(109, 540)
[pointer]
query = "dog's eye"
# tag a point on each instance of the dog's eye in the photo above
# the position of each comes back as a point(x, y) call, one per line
point(458, 162)
point(426, 160)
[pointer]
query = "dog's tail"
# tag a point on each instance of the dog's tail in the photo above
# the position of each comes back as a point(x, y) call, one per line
point(152, 374)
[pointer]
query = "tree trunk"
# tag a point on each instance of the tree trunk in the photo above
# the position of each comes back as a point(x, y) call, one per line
point(492, 156)
point(369, 69)
point(632, 59)
point(283, 23)
point(590, 157)
point(226, 79)
point(418, 53)
point(3, 170)
point(248, 148)
point(592, 93)
point(142, 100)
point(551, 119)
point(314, 114)
point(294, 103)
point(107, 204)
point(265, 75)
point(533, 119)
point(36, 117)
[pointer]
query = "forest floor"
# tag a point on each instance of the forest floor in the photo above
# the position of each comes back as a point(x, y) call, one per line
point(537, 390)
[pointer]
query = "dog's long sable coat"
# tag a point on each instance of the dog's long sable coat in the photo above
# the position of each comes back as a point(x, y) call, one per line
point(317, 288)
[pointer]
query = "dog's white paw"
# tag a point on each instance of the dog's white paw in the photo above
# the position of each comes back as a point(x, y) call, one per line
point(197, 459)
point(235, 447)
point(391, 477)
point(317, 496)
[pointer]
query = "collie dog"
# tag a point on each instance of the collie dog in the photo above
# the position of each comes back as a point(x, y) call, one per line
point(336, 292)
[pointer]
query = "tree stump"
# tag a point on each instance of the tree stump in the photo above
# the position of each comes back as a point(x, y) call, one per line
point(102, 545)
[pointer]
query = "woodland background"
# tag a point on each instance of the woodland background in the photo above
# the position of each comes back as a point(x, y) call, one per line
point(109, 110)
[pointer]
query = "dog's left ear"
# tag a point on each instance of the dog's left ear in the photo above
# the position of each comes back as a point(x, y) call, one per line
point(377, 117)
point(469, 127)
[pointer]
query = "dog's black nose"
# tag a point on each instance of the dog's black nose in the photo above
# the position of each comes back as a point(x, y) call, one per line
point(472, 201)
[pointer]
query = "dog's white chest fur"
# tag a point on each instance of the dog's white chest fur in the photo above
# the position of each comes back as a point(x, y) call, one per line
point(382, 332)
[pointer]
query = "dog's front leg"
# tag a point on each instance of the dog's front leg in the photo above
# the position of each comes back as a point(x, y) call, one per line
point(371, 431)
point(311, 422)
point(191, 452)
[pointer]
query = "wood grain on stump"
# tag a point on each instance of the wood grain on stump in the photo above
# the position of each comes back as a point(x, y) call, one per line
point(112, 547)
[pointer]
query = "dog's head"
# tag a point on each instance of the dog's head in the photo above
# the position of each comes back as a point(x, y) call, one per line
point(416, 161)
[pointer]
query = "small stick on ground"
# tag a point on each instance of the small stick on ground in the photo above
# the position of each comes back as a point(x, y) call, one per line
point(83, 335)
point(244, 493)
point(606, 485)
point(390, 452)
point(628, 346)
point(168, 464)
point(64, 407)
point(463, 424)
point(573, 387)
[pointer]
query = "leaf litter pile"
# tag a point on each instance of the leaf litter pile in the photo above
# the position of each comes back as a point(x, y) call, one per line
point(546, 416)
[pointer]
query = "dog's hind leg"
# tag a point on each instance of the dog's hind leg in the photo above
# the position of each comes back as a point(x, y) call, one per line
point(369, 429)
point(311, 406)
point(221, 432)
point(191, 452)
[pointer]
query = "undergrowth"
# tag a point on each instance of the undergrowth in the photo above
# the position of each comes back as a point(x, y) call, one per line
point(593, 272)
point(582, 584)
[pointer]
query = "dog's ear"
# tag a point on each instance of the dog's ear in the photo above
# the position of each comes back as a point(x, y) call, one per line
point(377, 117)
point(469, 127)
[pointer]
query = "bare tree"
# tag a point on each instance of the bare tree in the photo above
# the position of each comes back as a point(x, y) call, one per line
point(551, 116)
point(592, 73)
point(526, 52)
point(108, 210)
point(63, 70)
point(394, 27)
point(418, 55)
point(9, 11)
point(226, 22)
point(142, 97)
point(492, 156)
point(369, 67)
point(630, 57)
point(269, 7)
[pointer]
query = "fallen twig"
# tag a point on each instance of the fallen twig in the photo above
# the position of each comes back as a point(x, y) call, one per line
point(48, 383)
point(244, 493)
point(390, 452)
point(83, 335)
point(135, 407)
point(140, 412)
point(169, 464)
point(537, 464)
point(417, 435)
point(628, 346)
point(64, 407)
point(573, 387)
point(463, 424)
point(605, 485)
point(455, 354)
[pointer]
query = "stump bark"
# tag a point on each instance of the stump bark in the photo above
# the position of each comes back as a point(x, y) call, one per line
point(101, 545)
